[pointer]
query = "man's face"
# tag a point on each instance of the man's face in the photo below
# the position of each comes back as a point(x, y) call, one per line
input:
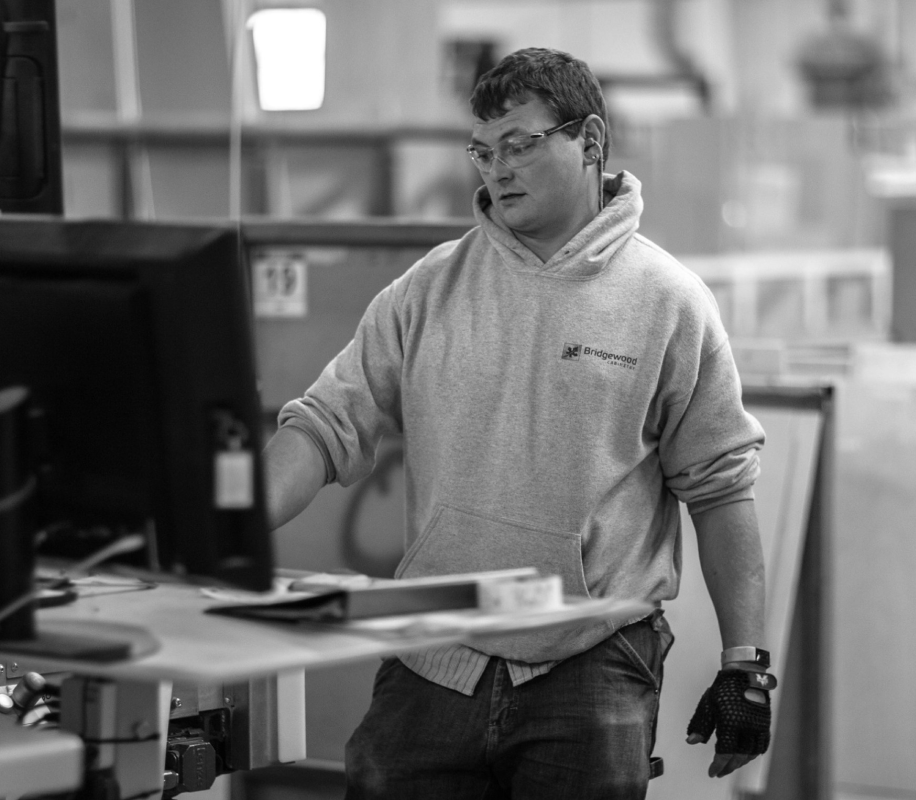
point(546, 199)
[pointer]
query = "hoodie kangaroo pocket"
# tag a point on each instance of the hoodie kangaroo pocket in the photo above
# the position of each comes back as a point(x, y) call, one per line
point(458, 541)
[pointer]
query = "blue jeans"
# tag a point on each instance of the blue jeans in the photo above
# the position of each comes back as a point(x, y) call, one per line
point(584, 730)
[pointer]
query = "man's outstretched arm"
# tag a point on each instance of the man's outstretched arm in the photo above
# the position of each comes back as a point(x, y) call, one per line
point(294, 471)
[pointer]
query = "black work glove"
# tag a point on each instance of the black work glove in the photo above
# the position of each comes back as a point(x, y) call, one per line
point(737, 708)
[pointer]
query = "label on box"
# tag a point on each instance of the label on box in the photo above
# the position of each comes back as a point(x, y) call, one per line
point(234, 479)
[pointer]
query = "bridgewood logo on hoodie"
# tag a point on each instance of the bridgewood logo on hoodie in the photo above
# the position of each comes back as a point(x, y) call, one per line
point(576, 352)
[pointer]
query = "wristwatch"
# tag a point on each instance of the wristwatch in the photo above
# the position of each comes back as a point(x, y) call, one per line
point(753, 654)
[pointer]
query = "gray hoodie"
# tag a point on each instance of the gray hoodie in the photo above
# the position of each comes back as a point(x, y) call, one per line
point(553, 414)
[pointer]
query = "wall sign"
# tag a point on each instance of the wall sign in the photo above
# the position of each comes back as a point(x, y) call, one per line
point(279, 283)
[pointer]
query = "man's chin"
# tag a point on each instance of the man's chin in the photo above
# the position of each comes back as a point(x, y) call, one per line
point(513, 216)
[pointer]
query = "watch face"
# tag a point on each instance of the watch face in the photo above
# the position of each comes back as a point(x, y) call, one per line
point(763, 658)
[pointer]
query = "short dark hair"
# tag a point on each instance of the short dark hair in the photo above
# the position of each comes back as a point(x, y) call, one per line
point(564, 84)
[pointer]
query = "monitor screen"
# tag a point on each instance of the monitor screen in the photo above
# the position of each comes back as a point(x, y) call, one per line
point(134, 343)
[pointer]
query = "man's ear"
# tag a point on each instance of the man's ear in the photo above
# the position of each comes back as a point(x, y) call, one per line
point(593, 130)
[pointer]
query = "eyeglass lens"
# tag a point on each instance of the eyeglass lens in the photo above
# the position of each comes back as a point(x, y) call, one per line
point(514, 152)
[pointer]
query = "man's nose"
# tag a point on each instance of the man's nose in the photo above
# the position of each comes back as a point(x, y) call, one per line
point(500, 168)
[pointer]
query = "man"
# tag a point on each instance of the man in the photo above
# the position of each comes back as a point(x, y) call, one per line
point(560, 384)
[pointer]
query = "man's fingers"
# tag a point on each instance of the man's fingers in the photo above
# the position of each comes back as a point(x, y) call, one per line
point(725, 763)
point(695, 738)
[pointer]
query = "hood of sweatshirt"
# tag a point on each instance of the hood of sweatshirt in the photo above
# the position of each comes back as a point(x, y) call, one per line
point(590, 251)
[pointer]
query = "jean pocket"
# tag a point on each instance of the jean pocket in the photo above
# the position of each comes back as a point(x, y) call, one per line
point(641, 643)
point(665, 634)
point(459, 541)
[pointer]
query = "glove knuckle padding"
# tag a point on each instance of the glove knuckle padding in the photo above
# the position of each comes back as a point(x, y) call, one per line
point(741, 725)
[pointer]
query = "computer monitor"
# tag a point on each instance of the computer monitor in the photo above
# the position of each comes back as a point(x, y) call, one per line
point(133, 344)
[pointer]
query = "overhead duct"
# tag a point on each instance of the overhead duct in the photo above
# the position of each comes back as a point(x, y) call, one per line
point(683, 68)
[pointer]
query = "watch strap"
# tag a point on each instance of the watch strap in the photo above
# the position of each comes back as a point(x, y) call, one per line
point(752, 654)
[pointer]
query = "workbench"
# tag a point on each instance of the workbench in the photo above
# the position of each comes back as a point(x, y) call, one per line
point(187, 663)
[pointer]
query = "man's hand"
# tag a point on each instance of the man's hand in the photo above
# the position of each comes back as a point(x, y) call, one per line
point(737, 708)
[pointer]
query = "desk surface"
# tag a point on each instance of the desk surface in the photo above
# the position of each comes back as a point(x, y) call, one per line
point(208, 648)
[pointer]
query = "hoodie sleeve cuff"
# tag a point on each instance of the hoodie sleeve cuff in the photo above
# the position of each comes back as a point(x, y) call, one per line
point(304, 428)
point(699, 506)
